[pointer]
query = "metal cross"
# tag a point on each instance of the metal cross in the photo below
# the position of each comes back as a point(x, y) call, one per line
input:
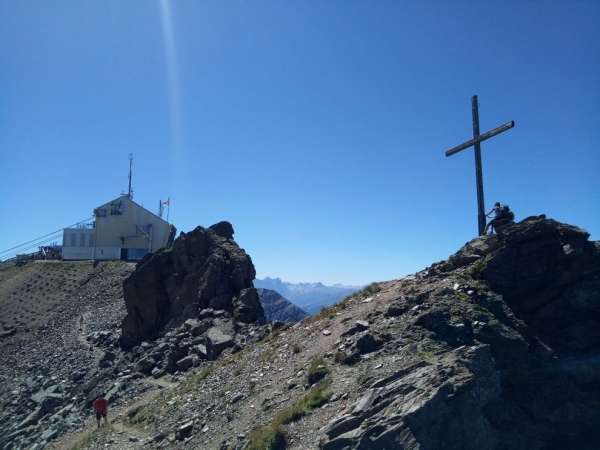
point(475, 142)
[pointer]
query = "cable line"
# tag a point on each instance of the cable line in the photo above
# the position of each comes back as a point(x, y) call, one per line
point(46, 235)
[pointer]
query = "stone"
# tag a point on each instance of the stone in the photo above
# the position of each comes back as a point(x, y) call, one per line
point(200, 350)
point(342, 424)
point(184, 430)
point(32, 418)
point(206, 312)
point(187, 363)
point(195, 327)
point(217, 341)
point(247, 307)
point(171, 285)
point(236, 397)
point(157, 372)
point(107, 359)
point(49, 434)
point(359, 325)
point(365, 402)
point(367, 343)
point(145, 365)
point(223, 229)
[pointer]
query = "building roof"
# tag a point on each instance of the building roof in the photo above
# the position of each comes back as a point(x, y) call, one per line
point(126, 197)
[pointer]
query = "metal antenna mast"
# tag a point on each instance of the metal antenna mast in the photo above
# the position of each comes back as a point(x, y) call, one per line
point(130, 191)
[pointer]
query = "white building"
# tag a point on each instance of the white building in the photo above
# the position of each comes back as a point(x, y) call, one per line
point(122, 230)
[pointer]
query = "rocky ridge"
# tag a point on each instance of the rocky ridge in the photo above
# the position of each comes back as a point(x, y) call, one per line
point(494, 348)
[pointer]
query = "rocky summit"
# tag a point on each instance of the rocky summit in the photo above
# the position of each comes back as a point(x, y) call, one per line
point(494, 348)
point(204, 269)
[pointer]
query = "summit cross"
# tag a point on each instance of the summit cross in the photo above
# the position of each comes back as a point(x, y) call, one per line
point(475, 142)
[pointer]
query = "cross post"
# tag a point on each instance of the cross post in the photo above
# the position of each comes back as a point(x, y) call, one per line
point(478, 170)
point(476, 144)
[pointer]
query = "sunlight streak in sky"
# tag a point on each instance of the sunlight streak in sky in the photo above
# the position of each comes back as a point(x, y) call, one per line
point(173, 82)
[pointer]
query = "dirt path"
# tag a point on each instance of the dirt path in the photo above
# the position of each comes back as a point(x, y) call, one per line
point(119, 434)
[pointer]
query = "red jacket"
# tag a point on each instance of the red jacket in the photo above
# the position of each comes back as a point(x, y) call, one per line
point(100, 404)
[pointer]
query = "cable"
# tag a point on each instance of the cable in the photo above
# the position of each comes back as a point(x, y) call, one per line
point(46, 235)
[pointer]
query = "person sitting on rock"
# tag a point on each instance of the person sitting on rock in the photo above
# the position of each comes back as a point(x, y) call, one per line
point(502, 215)
point(101, 408)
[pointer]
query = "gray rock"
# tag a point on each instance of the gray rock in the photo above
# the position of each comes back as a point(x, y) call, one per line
point(184, 430)
point(32, 418)
point(217, 341)
point(187, 363)
point(158, 372)
point(195, 327)
point(145, 365)
point(201, 265)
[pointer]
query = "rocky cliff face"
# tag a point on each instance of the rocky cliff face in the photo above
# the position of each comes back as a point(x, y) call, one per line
point(204, 269)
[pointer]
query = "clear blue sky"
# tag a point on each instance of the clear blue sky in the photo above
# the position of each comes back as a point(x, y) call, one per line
point(316, 127)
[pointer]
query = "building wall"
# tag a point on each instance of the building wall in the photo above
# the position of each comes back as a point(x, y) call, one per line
point(123, 223)
point(78, 243)
point(120, 225)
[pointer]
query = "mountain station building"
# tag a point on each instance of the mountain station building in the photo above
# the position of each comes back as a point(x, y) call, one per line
point(122, 230)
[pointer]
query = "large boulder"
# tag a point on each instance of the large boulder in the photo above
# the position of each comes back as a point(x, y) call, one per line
point(204, 268)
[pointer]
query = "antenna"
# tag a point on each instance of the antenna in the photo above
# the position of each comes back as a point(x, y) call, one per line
point(130, 191)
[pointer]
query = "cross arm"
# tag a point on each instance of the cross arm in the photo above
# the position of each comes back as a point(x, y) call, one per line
point(481, 138)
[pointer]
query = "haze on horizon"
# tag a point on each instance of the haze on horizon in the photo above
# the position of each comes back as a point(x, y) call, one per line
point(318, 130)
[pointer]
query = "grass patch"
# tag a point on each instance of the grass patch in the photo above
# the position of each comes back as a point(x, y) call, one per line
point(317, 370)
point(142, 416)
point(476, 269)
point(267, 355)
point(272, 436)
point(266, 438)
point(371, 289)
point(87, 438)
point(340, 357)
point(196, 378)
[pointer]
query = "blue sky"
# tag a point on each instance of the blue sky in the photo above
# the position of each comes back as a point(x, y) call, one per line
point(317, 128)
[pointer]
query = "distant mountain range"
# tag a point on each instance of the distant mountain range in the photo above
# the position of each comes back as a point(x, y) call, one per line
point(311, 297)
point(279, 308)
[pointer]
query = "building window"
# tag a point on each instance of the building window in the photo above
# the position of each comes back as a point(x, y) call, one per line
point(100, 212)
point(116, 209)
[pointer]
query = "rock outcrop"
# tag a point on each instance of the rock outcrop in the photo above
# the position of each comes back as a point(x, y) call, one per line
point(203, 269)
point(508, 332)
point(279, 309)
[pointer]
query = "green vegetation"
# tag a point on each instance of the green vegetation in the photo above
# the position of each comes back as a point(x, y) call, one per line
point(142, 416)
point(340, 357)
point(86, 439)
point(371, 289)
point(267, 438)
point(272, 436)
point(475, 269)
point(267, 355)
point(196, 378)
point(317, 370)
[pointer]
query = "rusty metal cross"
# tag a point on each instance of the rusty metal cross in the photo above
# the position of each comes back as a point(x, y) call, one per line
point(475, 142)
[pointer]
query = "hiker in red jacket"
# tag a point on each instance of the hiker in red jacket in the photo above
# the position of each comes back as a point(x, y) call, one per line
point(101, 406)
